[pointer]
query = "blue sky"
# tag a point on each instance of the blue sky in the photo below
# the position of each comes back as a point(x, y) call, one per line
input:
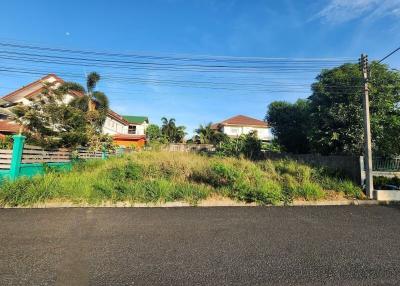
point(284, 29)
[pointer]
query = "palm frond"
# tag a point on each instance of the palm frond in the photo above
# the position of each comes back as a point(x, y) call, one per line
point(92, 80)
point(101, 99)
point(81, 103)
point(70, 86)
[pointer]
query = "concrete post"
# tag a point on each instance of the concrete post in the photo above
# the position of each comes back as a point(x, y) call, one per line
point(18, 147)
point(367, 131)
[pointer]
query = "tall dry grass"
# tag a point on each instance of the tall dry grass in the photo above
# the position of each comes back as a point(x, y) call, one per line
point(163, 176)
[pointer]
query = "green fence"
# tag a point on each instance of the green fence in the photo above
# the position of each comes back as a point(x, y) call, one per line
point(386, 164)
point(28, 161)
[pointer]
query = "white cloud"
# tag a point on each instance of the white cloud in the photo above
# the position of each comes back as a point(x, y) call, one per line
point(340, 11)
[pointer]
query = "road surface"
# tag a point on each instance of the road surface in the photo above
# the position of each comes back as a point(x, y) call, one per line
point(350, 245)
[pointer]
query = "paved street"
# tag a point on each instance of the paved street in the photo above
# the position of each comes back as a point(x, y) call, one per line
point(201, 246)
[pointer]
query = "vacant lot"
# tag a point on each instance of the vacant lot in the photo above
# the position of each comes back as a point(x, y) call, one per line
point(162, 177)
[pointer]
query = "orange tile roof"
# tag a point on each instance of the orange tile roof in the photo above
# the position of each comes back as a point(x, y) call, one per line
point(128, 137)
point(241, 120)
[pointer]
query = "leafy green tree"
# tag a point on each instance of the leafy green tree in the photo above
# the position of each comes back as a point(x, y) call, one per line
point(207, 135)
point(171, 132)
point(49, 122)
point(330, 121)
point(290, 125)
point(94, 103)
point(153, 132)
point(336, 114)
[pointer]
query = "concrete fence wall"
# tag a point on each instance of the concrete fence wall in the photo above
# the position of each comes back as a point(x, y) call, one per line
point(182, 147)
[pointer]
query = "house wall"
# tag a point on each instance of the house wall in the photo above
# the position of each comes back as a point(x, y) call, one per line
point(126, 143)
point(112, 126)
point(66, 99)
point(262, 133)
point(141, 128)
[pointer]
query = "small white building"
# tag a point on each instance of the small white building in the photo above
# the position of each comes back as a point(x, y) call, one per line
point(240, 124)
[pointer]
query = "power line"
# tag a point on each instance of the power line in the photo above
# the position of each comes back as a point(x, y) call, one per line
point(391, 53)
point(191, 57)
point(47, 57)
point(190, 83)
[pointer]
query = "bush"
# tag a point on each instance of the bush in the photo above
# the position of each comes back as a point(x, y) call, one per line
point(247, 145)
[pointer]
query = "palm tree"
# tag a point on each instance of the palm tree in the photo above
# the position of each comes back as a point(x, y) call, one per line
point(179, 134)
point(91, 100)
point(205, 133)
point(208, 135)
point(168, 128)
point(172, 132)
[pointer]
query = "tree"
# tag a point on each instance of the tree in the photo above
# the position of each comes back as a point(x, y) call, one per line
point(171, 132)
point(330, 121)
point(336, 114)
point(179, 134)
point(94, 103)
point(207, 135)
point(290, 125)
point(153, 132)
point(49, 122)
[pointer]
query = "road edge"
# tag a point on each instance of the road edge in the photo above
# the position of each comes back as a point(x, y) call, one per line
point(203, 204)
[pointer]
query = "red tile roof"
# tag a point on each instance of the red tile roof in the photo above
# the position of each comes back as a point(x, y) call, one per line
point(9, 126)
point(40, 88)
point(241, 120)
point(117, 117)
point(8, 96)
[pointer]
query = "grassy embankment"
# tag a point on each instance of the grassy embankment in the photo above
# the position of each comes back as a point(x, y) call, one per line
point(162, 177)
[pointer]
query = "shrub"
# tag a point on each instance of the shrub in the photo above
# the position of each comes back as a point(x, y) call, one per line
point(247, 145)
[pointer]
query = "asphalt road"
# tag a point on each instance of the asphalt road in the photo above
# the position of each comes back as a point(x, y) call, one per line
point(201, 246)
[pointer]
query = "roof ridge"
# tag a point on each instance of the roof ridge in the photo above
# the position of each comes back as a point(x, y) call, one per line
point(243, 120)
point(33, 83)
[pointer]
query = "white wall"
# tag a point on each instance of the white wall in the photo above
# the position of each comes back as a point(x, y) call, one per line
point(141, 129)
point(262, 133)
point(112, 126)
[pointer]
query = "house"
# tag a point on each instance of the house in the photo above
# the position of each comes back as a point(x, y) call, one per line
point(240, 124)
point(124, 132)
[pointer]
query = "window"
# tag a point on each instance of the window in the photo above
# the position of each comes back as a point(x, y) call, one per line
point(132, 129)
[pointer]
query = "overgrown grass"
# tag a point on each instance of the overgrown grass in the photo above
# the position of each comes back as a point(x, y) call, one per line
point(162, 177)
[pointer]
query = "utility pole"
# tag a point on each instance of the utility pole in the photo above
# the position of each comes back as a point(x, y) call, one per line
point(369, 185)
